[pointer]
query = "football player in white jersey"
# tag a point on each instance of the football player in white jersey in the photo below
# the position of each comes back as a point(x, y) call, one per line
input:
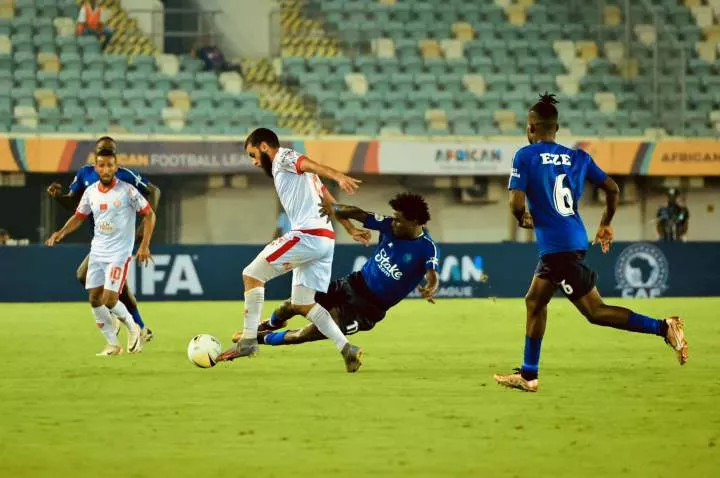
point(113, 204)
point(307, 249)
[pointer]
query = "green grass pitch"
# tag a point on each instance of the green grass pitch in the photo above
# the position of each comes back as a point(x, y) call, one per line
point(424, 404)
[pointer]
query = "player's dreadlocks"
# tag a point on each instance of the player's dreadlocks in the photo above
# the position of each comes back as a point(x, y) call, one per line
point(263, 135)
point(412, 206)
point(547, 113)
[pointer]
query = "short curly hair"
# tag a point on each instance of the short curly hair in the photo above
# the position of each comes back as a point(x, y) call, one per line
point(412, 206)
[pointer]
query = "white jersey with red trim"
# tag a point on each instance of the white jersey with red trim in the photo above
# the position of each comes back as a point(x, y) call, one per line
point(300, 193)
point(113, 208)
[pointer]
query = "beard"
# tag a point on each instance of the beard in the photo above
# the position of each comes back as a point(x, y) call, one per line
point(266, 163)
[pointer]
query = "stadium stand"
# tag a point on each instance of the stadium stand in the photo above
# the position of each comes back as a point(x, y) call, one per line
point(366, 67)
point(468, 67)
point(53, 81)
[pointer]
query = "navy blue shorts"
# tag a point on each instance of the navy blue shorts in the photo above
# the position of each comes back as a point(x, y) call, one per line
point(567, 271)
point(357, 309)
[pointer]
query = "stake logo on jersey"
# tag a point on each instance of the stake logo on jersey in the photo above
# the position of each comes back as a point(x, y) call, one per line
point(398, 265)
point(553, 178)
point(385, 264)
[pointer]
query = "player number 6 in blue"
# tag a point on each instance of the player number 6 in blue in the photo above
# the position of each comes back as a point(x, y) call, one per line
point(563, 197)
point(567, 288)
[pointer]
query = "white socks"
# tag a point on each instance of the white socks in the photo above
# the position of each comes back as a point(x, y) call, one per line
point(124, 315)
point(254, 299)
point(104, 323)
point(325, 324)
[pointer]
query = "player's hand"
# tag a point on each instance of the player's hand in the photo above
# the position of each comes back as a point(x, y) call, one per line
point(604, 237)
point(143, 255)
point(54, 190)
point(527, 221)
point(427, 291)
point(54, 238)
point(362, 236)
point(326, 210)
point(348, 184)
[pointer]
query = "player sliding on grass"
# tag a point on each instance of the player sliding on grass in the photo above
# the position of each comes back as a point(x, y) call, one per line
point(113, 204)
point(404, 256)
point(307, 250)
point(551, 178)
point(83, 179)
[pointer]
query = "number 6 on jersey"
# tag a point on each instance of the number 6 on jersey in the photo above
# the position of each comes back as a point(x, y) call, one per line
point(563, 197)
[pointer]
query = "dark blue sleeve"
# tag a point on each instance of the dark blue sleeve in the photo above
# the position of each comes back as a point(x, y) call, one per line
point(77, 186)
point(432, 260)
point(594, 174)
point(135, 178)
point(376, 222)
point(519, 173)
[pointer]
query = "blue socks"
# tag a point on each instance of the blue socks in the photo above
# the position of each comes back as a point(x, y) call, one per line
point(275, 338)
point(531, 358)
point(646, 325)
point(273, 320)
point(136, 317)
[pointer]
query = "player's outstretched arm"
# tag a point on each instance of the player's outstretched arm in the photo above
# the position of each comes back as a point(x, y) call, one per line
point(346, 183)
point(148, 226)
point(153, 196)
point(360, 235)
point(70, 226)
point(605, 233)
point(430, 288)
point(517, 206)
point(68, 201)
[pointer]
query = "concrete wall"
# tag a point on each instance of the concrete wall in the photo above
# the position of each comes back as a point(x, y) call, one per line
point(245, 216)
point(244, 27)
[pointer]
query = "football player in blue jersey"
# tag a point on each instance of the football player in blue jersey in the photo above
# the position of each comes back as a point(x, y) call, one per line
point(551, 178)
point(404, 257)
point(84, 178)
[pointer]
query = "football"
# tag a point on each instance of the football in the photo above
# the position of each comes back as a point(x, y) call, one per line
point(203, 349)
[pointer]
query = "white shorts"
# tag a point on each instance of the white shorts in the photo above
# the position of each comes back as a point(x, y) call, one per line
point(308, 254)
point(110, 275)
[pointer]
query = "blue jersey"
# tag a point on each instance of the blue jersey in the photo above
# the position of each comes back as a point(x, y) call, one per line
point(397, 265)
point(87, 176)
point(553, 178)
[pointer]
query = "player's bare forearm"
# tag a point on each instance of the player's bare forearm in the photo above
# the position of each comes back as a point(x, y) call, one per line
point(70, 226)
point(343, 211)
point(612, 199)
point(517, 207)
point(148, 226)
point(430, 288)
point(68, 201)
point(346, 183)
point(153, 197)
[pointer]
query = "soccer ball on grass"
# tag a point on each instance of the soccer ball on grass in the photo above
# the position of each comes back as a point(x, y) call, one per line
point(203, 350)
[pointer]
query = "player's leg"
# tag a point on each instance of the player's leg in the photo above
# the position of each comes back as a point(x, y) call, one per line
point(315, 276)
point(115, 277)
point(130, 302)
point(277, 320)
point(95, 272)
point(536, 301)
point(82, 270)
point(598, 312)
point(309, 333)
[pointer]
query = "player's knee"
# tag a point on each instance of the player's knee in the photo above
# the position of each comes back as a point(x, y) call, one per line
point(532, 304)
point(110, 301)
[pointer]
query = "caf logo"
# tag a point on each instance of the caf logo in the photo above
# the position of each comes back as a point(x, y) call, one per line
point(642, 270)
